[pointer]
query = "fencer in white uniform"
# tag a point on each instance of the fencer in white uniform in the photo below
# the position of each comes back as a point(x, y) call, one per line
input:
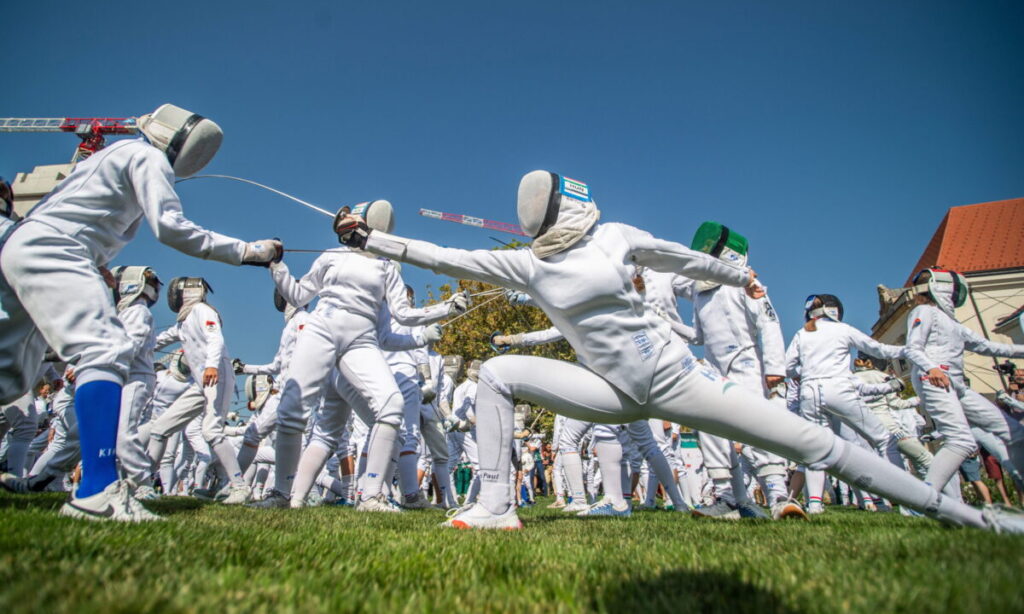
point(200, 331)
point(579, 272)
point(742, 339)
point(136, 289)
point(171, 383)
point(935, 348)
point(342, 332)
point(819, 358)
point(55, 253)
point(438, 390)
point(340, 400)
point(461, 428)
point(61, 454)
point(885, 407)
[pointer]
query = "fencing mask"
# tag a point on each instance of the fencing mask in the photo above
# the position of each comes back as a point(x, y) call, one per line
point(473, 370)
point(947, 288)
point(453, 366)
point(378, 214)
point(257, 390)
point(720, 241)
point(823, 305)
point(189, 140)
point(131, 282)
point(183, 292)
point(556, 211)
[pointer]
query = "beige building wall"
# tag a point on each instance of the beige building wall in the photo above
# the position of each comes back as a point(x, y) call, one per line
point(996, 294)
point(30, 188)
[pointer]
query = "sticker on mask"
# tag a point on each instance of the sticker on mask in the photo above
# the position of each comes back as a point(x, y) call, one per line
point(832, 312)
point(130, 288)
point(360, 209)
point(643, 345)
point(574, 189)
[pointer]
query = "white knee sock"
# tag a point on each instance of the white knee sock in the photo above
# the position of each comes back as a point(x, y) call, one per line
point(573, 468)
point(407, 466)
point(866, 470)
point(310, 464)
point(380, 451)
point(287, 450)
point(245, 456)
point(226, 454)
point(659, 464)
point(814, 481)
point(944, 465)
point(774, 488)
point(609, 455)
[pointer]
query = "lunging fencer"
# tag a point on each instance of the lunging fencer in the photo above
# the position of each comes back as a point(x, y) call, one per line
point(579, 273)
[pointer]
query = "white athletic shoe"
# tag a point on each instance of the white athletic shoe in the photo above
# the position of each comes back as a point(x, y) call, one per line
point(113, 503)
point(787, 509)
point(379, 503)
point(1002, 519)
point(416, 502)
point(605, 507)
point(719, 509)
point(576, 506)
point(20, 486)
point(477, 517)
point(815, 508)
point(237, 495)
point(274, 500)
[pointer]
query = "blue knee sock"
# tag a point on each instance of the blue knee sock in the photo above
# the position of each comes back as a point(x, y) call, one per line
point(98, 407)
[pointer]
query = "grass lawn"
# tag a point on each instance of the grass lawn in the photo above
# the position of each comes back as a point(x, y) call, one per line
point(214, 559)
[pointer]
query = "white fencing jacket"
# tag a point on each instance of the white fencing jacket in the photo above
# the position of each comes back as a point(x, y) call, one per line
point(732, 326)
point(105, 198)
point(937, 341)
point(825, 353)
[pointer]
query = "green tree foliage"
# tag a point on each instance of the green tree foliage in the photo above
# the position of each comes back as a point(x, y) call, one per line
point(469, 335)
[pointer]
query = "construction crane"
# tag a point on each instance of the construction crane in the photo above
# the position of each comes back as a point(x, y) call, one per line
point(92, 130)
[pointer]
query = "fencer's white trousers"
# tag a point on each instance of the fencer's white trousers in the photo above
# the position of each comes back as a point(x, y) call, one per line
point(332, 338)
point(136, 397)
point(838, 396)
point(954, 412)
point(195, 402)
point(42, 268)
point(64, 452)
point(20, 423)
point(681, 391)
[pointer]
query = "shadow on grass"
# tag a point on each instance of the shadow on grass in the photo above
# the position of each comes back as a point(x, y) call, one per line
point(168, 506)
point(688, 591)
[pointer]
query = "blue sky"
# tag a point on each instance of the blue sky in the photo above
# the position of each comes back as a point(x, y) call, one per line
point(833, 135)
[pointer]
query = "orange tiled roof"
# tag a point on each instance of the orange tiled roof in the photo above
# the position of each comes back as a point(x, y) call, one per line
point(981, 237)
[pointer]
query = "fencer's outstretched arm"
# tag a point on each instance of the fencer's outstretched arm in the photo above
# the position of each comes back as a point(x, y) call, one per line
point(979, 345)
point(153, 182)
point(402, 310)
point(169, 336)
point(393, 340)
point(670, 257)
point(872, 347)
point(536, 337)
point(510, 269)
